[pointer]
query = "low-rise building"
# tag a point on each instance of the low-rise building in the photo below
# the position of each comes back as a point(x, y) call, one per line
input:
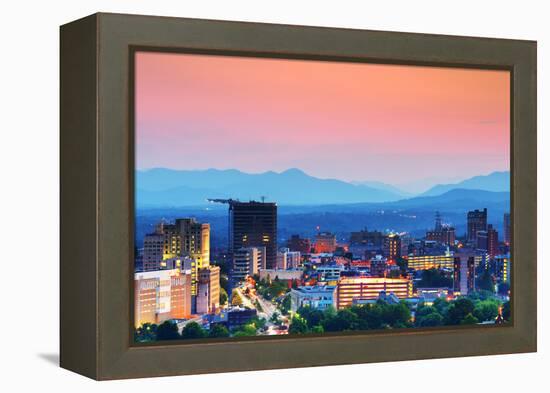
point(319, 297)
point(363, 287)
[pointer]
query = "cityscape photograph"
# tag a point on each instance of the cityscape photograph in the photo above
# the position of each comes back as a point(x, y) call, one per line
point(299, 197)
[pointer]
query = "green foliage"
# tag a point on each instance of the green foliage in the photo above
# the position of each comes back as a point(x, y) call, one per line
point(441, 305)
point(236, 299)
point(258, 322)
point(247, 330)
point(485, 282)
point(223, 296)
point(458, 310)
point(218, 330)
point(344, 320)
point(272, 289)
point(167, 331)
point(430, 320)
point(298, 325)
point(312, 316)
point(193, 330)
point(146, 332)
point(435, 278)
point(486, 310)
point(275, 317)
point(469, 320)
point(285, 305)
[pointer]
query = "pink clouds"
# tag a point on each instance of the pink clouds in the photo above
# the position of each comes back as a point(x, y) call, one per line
point(343, 120)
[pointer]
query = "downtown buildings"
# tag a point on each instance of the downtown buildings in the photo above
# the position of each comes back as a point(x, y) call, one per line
point(177, 280)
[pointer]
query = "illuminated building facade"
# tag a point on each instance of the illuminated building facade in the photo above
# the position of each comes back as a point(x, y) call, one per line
point(367, 288)
point(247, 262)
point(426, 262)
point(208, 290)
point(325, 242)
point(487, 241)
point(254, 224)
point(161, 295)
point(392, 246)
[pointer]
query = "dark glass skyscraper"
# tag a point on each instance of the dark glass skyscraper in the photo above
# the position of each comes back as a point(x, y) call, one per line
point(254, 224)
point(477, 221)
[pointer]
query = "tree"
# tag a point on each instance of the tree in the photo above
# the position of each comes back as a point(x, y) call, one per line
point(317, 329)
point(246, 331)
point(223, 297)
point(343, 320)
point(298, 325)
point(146, 332)
point(469, 320)
point(218, 330)
point(311, 315)
point(485, 282)
point(274, 317)
point(236, 299)
point(458, 310)
point(192, 330)
point(285, 305)
point(167, 330)
point(434, 278)
point(441, 305)
point(486, 310)
point(430, 320)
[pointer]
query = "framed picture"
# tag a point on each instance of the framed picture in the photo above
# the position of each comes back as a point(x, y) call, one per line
point(243, 196)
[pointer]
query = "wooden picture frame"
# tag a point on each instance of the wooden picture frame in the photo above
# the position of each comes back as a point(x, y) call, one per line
point(97, 195)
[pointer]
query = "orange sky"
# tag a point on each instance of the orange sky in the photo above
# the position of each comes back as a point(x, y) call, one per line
point(349, 121)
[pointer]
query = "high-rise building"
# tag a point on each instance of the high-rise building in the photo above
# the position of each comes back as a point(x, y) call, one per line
point(254, 224)
point(369, 288)
point(392, 246)
point(325, 242)
point(247, 261)
point(161, 295)
point(507, 229)
point(187, 237)
point(487, 241)
point(153, 246)
point(296, 243)
point(476, 221)
point(465, 264)
point(208, 290)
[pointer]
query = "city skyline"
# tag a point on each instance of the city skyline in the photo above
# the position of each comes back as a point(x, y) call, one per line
point(311, 114)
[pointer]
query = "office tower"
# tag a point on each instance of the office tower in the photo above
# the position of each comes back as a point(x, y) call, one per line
point(153, 246)
point(187, 237)
point(296, 243)
point(465, 265)
point(492, 241)
point(208, 290)
point(507, 229)
point(392, 246)
point(254, 224)
point(487, 241)
point(161, 295)
point(325, 242)
point(476, 221)
point(247, 261)
point(352, 289)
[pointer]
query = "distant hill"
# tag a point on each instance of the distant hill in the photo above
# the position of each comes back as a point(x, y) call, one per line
point(383, 186)
point(496, 181)
point(166, 187)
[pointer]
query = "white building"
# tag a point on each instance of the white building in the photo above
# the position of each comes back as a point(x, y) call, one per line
point(248, 261)
point(317, 297)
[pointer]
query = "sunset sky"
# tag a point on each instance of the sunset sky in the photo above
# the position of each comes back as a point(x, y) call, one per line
point(396, 124)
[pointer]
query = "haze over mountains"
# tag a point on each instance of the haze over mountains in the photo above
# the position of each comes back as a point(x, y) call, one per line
point(178, 188)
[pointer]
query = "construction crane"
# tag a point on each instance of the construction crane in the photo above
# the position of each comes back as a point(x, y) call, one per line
point(227, 201)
